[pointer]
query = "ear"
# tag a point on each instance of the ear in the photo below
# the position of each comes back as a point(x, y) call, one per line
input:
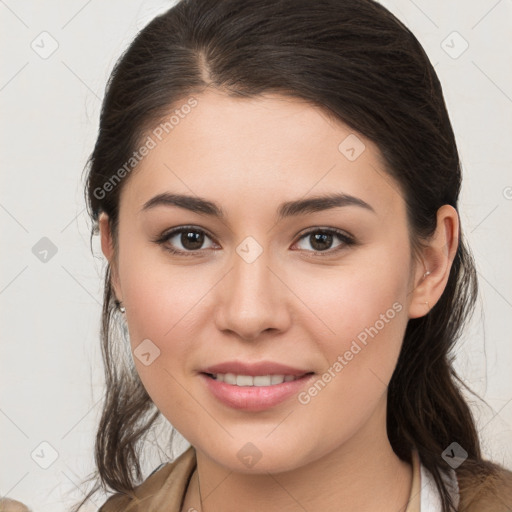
point(434, 263)
point(107, 248)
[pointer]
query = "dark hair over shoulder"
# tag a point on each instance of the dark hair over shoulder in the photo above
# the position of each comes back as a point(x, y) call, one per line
point(360, 64)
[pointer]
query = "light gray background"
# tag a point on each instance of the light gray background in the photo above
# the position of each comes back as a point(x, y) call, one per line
point(50, 364)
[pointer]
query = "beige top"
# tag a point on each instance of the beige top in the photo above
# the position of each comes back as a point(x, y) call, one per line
point(165, 489)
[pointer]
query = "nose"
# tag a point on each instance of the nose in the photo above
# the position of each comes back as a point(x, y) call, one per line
point(252, 299)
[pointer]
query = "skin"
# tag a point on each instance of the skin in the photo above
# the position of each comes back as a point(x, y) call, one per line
point(289, 306)
point(8, 505)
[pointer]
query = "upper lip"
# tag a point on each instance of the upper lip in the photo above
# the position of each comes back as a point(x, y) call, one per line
point(254, 369)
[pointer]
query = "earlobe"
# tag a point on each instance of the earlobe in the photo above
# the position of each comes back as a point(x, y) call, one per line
point(433, 268)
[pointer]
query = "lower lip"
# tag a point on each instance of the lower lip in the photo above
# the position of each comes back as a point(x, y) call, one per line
point(254, 398)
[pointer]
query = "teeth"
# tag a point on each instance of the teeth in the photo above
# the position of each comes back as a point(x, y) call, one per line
point(248, 380)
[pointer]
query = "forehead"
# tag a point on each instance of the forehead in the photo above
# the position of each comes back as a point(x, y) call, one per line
point(259, 147)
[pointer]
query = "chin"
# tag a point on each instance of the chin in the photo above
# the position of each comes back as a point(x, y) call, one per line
point(257, 458)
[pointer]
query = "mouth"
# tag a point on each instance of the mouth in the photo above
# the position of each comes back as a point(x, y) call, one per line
point(253, 393)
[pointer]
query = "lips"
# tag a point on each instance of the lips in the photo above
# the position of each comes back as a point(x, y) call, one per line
point(232, 383)
point(254, 398)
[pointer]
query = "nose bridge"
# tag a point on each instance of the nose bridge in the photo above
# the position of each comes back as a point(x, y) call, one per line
point(251, 299)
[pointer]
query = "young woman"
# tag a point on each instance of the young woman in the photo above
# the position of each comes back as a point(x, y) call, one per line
point(275, 184)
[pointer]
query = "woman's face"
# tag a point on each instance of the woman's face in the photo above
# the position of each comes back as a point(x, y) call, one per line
point(324, 290)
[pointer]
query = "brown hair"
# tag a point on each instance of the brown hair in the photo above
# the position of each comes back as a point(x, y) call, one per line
point(355, 60)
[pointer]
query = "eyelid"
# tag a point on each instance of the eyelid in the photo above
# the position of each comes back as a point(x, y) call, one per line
point(326, 229)
point(173, 231)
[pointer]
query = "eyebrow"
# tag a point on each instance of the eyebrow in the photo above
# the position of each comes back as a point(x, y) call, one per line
point(288, 209)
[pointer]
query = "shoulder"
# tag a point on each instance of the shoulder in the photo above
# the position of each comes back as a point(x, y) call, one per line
point(484, 487)
point(165, 484)
point(8, 505)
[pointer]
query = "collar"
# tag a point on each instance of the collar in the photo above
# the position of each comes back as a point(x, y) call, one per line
point(424, 495)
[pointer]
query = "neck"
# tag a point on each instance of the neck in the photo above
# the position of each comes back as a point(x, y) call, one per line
point(339, 481)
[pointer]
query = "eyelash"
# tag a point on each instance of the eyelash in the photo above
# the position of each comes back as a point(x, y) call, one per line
point(346, 239)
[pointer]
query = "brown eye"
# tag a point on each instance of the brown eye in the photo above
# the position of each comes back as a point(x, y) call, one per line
point(321, 240)
point(192, 240)
point(184, 240)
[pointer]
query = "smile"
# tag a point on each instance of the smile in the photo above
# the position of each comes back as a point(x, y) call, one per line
point(249, 380)
point(254, 393)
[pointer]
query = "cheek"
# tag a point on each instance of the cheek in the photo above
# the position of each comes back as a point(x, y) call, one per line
point(356, 302)
point(162, 298)
point(360, 356)
point(359, 322)
point(167, 307)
